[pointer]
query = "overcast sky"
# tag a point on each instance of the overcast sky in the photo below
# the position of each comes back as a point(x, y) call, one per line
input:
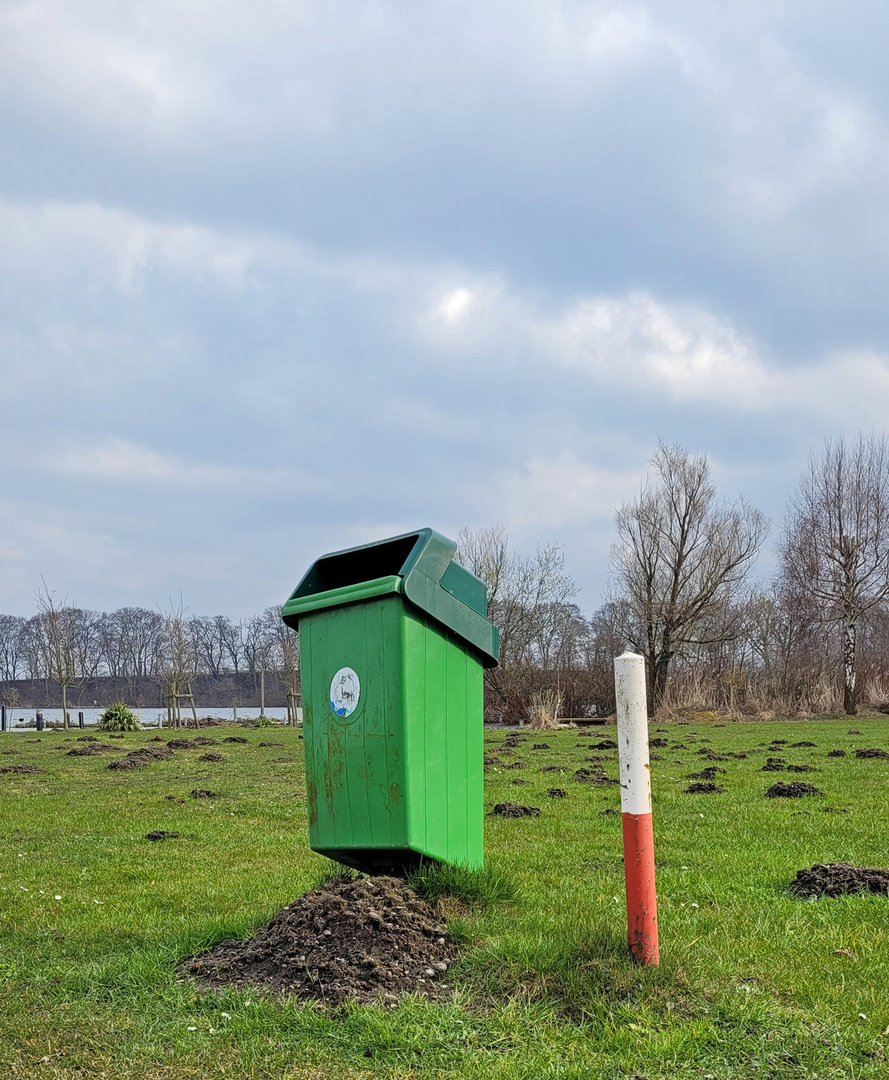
point(279, 277)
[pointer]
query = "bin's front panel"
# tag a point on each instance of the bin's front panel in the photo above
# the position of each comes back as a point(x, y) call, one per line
point(444, 738)
point(353, 727)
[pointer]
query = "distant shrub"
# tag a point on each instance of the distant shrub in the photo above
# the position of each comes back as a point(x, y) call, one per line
point(262, 721)
point(118, 717)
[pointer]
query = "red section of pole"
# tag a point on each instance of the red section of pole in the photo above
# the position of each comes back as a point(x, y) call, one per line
point(641, 899)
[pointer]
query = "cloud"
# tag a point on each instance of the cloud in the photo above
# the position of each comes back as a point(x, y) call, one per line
point(116, 460)
point(550, 494)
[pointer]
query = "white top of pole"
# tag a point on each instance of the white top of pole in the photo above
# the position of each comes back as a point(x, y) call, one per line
point(632, 733)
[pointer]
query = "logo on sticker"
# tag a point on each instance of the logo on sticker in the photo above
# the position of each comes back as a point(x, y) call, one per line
point(345, 690)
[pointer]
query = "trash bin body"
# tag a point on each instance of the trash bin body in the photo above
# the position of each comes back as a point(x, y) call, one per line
point(393, 705)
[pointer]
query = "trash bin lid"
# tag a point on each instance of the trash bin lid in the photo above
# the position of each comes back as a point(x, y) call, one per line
point(418, 566)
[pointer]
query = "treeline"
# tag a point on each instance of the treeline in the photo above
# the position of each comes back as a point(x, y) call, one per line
point(143, 656)
point(813, 640)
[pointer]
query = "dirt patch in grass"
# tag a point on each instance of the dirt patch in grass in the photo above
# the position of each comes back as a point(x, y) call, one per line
point(800, 768)
point(509, 809)
point(183, 744)
point(367, 940)
point(204, 740)
point(142, 758)
point(236, 738)
point(11, 751)
point(795, 789)
point(161, 834)
point(604, 744)
point(556, 793)
point(21, 770)
point(544, 746)
point(593, 776)
point(797, 745)
point(204, 793)
point(836, 753)
point(271, 744)
point(706, 774)
point(517, 783)
point(704, 789)
point(873, 752)
point(90, 750)
point(774, 764)
point(840, 879)
point(552, 768)
point(212, 757)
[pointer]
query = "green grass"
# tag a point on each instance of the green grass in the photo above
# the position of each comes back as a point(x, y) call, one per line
point(750, 983)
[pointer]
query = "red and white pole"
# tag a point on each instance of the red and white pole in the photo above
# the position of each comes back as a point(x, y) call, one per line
point(635, 804)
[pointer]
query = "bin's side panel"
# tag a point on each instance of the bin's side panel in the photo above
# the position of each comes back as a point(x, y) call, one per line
point(444, 740)
point(354, 764)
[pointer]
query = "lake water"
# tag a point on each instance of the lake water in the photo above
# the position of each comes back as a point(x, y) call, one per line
point(18, 718)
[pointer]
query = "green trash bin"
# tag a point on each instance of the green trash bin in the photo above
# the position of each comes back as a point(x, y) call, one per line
point(394, 639)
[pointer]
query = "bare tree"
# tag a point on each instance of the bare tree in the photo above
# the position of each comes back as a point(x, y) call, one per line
point(835, 546)
point(680, 558)
point(60, 640)
point(10, 647)
point(529, 599)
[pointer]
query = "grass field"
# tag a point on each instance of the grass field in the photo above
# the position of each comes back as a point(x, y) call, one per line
point(753, 983)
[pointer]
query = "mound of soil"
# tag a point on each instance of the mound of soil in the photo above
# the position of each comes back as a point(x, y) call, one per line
point(706, 774)
point(516, 765)
point(778, 742)
point(86, 738)
point(593, 776)
point(543, 746)
point(840, 879)
point(704, 789)
point(658, 744)
point(517, 783)
point(183, 744)
point(556, 793)
point(836, 753)
point(738, 755)
point(710, 755)
point(854, 731)
point(796, 789)
point(800, 768)
point(212, 757)
point(774, 764)
point(21, 770)
point(161, 834)
point(204, 740)
point(10, 751)
point(367, 939)
point(129, 763)
point(605, 744)
point(509, 809)
point(204, 793)
point(271, 744)
point(873, 752)
point(142, 758)
point(551, 768)
point(90, 750)
point(797, 745)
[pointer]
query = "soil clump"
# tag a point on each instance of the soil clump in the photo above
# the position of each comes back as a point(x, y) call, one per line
point(795, 789)
point(182, 744)
point(212, 757)
point(840, 879)
point(21, 770)
point(509, 809)
point(706, 774)
point(205, 740)
point(365, 940)
point(774, 764)
point(161, 834)
point(704, 789)
point(873, 752)
point(556, 793)
point(836, 753)
point(593, 776)
point(543, 746)
point(204, 793)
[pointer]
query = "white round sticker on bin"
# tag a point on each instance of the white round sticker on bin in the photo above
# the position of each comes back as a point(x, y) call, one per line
point(345, 689)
